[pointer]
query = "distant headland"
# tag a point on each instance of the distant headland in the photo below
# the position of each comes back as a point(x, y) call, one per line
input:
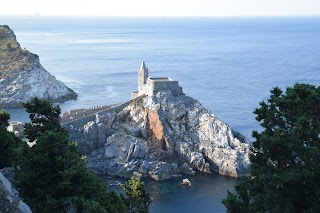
point(22, 77)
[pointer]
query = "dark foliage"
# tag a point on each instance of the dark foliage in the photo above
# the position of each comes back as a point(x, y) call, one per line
point(4, 118)
point(43, 115)
point(8, 142)
point(285, 169)
point(52, 174)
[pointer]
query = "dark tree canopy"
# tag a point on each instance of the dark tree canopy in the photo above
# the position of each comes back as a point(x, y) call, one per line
point(285, 168)
point(4, 118)
point(52, 174)
point(43, 115)
point(8, 141)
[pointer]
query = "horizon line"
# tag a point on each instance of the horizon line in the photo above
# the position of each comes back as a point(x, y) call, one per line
point(158, 16)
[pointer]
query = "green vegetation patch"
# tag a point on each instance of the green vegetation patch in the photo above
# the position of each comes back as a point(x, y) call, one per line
point(12, 57)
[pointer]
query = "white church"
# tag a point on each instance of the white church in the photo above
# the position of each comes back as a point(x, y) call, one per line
point(150, 85)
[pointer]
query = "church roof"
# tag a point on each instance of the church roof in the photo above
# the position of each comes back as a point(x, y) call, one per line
point(143, 66)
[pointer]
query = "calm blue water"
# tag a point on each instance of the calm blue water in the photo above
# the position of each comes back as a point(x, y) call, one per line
point(204, 195)
point(228, 64)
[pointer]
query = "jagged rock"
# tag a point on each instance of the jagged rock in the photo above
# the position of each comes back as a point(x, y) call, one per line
point(10, 201)
point(8, 173)
point(198, 162)
point(145, 165)
point(186, 169)
point(137, 174)
point(199, 137)
point(110, 152)
point(161, 172)
point(127, 174)
point(93, 136)
point(175, 130)
point(108, 119)
point(22, 77)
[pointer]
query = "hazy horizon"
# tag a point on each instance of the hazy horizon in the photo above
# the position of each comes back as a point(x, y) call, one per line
point(166, 8)
point(190, 16)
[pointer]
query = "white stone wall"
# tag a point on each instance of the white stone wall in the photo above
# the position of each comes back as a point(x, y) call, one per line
point(154, 87)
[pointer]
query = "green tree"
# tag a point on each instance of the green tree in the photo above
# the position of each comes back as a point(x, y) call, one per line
point(4, 118)
point(138, 200)
point(52, 174)
point(8, 141)
point(43, 115)
point(285, 168)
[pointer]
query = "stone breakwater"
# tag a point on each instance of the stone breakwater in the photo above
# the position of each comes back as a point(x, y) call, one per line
point(160, 137)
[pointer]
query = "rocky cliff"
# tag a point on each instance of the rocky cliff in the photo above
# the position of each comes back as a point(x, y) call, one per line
point(160, 137)
point(22, 76)
point(10, 201)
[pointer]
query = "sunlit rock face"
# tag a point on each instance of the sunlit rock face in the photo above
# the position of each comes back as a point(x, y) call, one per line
point(22, 77)
point(161, 136)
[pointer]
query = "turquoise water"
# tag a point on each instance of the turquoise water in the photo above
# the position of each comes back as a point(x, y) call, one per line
point(170, 196)
point(203, 196)
point(228, 64)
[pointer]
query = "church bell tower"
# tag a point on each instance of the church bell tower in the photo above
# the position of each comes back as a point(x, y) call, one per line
point(142, 75)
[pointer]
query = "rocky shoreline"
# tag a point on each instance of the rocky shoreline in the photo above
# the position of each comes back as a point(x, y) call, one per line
point(22, 77)
point(160, 137)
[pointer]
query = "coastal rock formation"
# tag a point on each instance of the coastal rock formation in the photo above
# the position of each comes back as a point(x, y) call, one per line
point(160, 136)
point(22, 77)
point(10, 201)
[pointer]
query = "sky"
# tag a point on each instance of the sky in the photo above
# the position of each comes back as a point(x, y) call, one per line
point(160, 7)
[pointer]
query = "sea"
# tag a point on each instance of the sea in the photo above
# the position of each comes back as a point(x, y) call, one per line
point(229, 64)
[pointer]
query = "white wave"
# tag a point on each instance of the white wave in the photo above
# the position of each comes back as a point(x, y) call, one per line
point(72, 83)
point(110, 92)
point(99, 41)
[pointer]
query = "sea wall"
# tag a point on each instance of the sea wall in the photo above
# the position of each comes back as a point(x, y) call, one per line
point(76, 126)
point(81, 113)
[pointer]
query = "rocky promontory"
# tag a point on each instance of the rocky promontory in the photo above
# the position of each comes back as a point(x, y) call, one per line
point(22, 77)
point(160, 137)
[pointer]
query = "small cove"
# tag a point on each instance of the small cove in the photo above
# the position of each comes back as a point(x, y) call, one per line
point(170, 196)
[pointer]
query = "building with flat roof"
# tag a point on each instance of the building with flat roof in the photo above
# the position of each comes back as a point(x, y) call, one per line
point(151, 85)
